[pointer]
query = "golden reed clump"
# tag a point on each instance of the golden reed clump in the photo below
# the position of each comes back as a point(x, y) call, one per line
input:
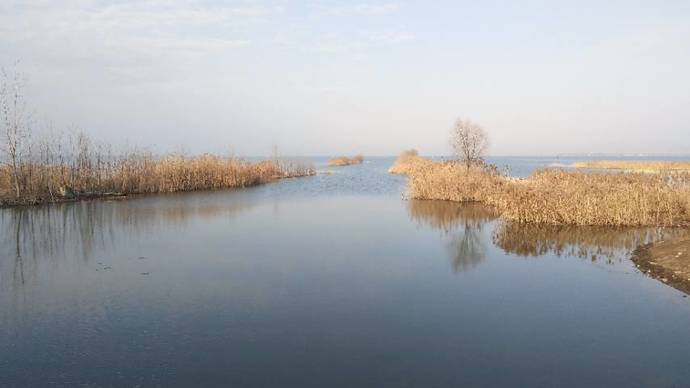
point(558, 197)
point(407, 160)
point(345, 161)
point(137, 173)
point(649, 166)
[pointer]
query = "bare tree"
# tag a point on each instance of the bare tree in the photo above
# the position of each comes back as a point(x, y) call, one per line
point(469, 142)
point(14, 123)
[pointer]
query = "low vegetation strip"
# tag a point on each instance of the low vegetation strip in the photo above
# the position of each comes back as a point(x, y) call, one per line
point(345, 161)
point(91, 174)
point(636, 165)
point(558, 197)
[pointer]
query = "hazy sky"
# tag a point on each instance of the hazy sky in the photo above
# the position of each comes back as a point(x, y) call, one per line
point(328, 77)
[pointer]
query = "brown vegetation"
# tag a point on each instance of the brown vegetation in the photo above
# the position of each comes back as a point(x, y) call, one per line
point(91, 174)
point(408, 159)
point(636, 165)
point(76, 168)
point(59, 168)
point(553, 196)
point(345, 161)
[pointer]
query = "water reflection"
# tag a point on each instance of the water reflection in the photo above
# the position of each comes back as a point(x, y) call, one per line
point(595, 243)
point(54, 234)
point(463, 223)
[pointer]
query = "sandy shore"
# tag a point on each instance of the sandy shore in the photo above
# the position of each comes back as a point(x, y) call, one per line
point(667, 261)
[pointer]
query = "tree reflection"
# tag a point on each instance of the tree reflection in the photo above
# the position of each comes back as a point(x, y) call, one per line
point(462, 222)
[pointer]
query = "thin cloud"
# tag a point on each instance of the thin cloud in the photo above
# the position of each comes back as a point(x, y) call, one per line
point(377, 9)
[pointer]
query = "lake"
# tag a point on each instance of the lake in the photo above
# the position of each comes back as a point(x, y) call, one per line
point(328, 281)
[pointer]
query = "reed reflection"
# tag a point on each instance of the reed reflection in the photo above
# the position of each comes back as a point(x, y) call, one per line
point(53, 235)
point(609, 245)
point(462, 222)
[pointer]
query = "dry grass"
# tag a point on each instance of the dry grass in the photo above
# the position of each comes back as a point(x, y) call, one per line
point(345, 161)
point(407, 160)
point(649, 166)
point(558, 197)
point(90, 174)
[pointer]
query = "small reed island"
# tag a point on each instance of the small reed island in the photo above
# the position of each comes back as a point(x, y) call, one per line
point(553, 196)
point(345, 161)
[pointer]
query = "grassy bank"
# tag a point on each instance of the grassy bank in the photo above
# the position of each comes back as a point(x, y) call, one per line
point(89, 173)
point(558, 197)
point(650, 166)
point(346, 161)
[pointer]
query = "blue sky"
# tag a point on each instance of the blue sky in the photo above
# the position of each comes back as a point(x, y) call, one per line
point(328, 77)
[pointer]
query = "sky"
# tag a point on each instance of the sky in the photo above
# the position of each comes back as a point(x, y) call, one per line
point(346, 77)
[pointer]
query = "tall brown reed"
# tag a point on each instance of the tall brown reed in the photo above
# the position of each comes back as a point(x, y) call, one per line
point(85, 169)
point(408, 159)
point(559, 197)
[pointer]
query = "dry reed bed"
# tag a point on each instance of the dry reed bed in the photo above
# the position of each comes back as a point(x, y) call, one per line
point(636, 165)
point(346, 161)
point(558, 197)
point(407, 160)
point(137, 173)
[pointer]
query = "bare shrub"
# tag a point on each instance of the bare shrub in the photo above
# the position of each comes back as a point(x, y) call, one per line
point(469, 142)
point(15, 128)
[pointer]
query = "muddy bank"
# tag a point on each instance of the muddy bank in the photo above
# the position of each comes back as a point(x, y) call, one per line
point(667, 261)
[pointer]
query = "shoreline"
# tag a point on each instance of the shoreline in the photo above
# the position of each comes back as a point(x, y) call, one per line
point(667, 261)
point(31, 202)
point(86, 197)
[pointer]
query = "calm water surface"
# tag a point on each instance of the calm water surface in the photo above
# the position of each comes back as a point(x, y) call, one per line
point(333, 280)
